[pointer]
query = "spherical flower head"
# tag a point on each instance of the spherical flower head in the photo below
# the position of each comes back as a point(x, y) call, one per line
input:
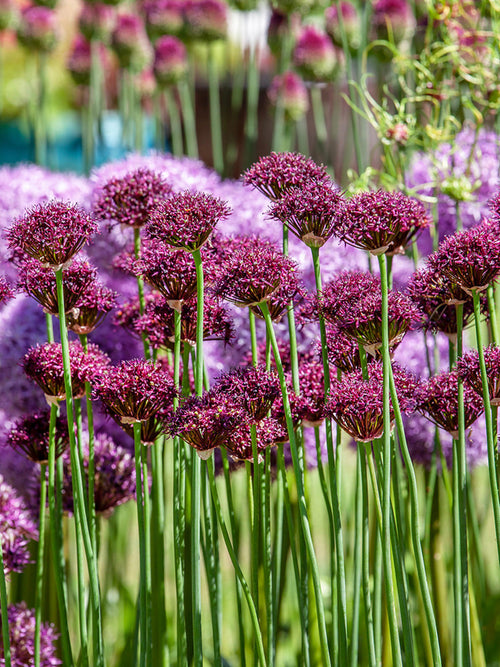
point(494, 206)
point(254, 388)
point(393, 18)
point(382, 222)
point(40, 283)
point(91, 308)
point(253, 272)
point(288, 91)
point(170, 61)
point(80, 60)
point(163, 18)
point(312, 213)
point(350, 21)
point(437, 399)
point(268, 432)
point(206, 422)
point(314, 56)
point(343, 350)
point(16, 529)
point(470, 258)
point(96, 21)
point(312, 392)
point(53, 233)
point(277, 174)
point(289, 290)
point(130, 42)
point(22, 624)
point(44, 365)
point(187, 219)
point(469, 370)
point(130, 200)
point(38, 29)
point(30, 434)
point(340, 295)
point(6, 291)
point(357, 404)
point(205, 20)
point(135, 391)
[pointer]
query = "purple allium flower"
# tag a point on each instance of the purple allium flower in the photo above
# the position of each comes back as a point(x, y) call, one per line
point(343, 351)
point(468, 369)
point(382, 222)
point(6, 291)
point(38, 29)
point(350, 20)
point(312, 392)
point(80, 60)
point(357, 404)
point(340, 295)
point(312, 213)
point(127, 314)
point(268, 433)
point(253, 272)
point(53, 233)
point(254, 388)
point(206, 422)
point(91, 308)
point(130, 42)
point(288, 91)
point(22, 623)
point(130, 200)
point(277, 174)
point(135, 391)
point(40, 283)
point(30, 434)
point(44, 365)
point(187, 220)
point(314, 56)
point(96, 21)
point(163, 17)
point(205, 20)
point(170, 61)
point(437, 399)
point(393, 18)
point(471, 257)
point(16, 529)
point(289, 290)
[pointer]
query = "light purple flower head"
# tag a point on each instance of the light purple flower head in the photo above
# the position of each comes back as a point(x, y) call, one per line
point(6, 291)
point(393, 18)
point(53, 233)
point(16, 528)
point(314, 56)
point(350, 20)
point(38, 30)
point(163, 17)
point(187, 220)
point(130, 42)
point(22, 638)
point(96, 21)
point(170, 61)
point(205, 20)
point(288, 91)
point(30, 434)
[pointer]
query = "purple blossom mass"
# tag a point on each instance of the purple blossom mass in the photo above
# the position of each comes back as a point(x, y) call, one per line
point(22, 639)
point(16, 528)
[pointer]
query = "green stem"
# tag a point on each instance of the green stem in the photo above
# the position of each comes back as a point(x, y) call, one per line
point(492, 311)
point(252, 117)
point(143, 565)
point(39, 562)
point(91, 454)
point(189, 118)
point(175, 123)
point(357, 564)
point(40, 119)
point(3, 608)
point(365, 549)
point(215, 112)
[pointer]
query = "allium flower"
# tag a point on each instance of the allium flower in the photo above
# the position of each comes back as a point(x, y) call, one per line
point(22, 623)
point(163, 18)
point(30, 434)
point(277, 174)
point(343, 351)
point(254, 388)
point(468, 369)
point(253, 272)
point(187, 220)
point(16, 529)
point(91, 308)
point(37, 30)
point(437, 399)
point(206, 422)
point(44, 365)
point(131, 199)
point(393, 18)
point(127, 314)
point(170, 61)
point(288, 91)
point(135, 391)
point(340, 295)
point(382, 222)
point(96, 21)
point(350, 20)
point(314, 56)
point(471, 257)
point(312, 392)
point(268, 433)
point(312, 213)
point(130, 42)
point(53, 233)
point(80, 60)
point(289, 290)
point(357, 404)
point(6, 291)
point(205, 20)
point(40, 283)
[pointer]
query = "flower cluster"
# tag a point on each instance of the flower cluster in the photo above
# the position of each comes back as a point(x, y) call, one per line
point(30, 434)
point(22, 623)
point(468, 370)
point(16, 529)
point(6, 291)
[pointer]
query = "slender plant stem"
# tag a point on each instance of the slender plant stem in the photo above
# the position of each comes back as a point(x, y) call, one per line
point(3, 609)
point(39, 561)
point(252, 116)
point(372, 654)
point(357, 564)
point(215, 112)
point(141, 520)
point(175, 122)
point(188, 116)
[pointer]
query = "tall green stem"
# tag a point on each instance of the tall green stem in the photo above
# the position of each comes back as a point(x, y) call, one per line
point(215, 112)
point(188, 115)
point(39, 562)
point(143, 563)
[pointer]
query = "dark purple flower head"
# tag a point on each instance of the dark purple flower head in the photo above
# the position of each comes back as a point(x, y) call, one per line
point(170, 61)
point(91, 308)
point(131, 199)
point(312, 212)
point(22, 638)
point(16, 529)
point(288, 92)
point(253, 272)
point(163, 18)
point(279, 173)
point(470, 258)
point(437, 399)
point(268, 433)
point(343, 351)
point(6, 291)
point(382, 222)
point(314, 55)
point(130, 42)
point(340, 295)
point(53, 233)
point(44, 365)
point(350, 20)
point(38, 30)
point(30, 434)
point(296, 407)
point(312, 392)
point(289, 290)
point(357, 404)
point(135, 391)
point(206, 422)
point(40, 283)
point(187, 220)
point(205, 20)
point(468, 369)
point(253, 387)
point(96, 21)
point(128, 313)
